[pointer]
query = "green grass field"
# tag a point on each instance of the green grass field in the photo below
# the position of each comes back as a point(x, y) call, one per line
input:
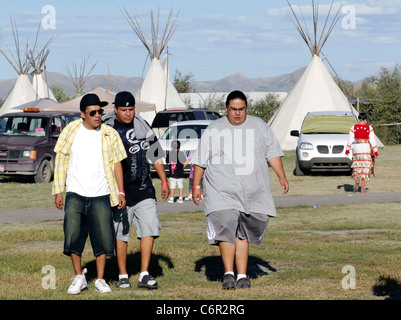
point(344, 252)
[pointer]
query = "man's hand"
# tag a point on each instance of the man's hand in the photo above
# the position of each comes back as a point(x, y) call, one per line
point(121, 201)
point(58, 201)
point(165, 192)
point(196, 196)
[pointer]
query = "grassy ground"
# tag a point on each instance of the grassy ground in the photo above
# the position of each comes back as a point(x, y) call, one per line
point(301, 257)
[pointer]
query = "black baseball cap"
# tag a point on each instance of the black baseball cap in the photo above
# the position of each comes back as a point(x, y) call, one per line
point(124, 99)
point(91, 99)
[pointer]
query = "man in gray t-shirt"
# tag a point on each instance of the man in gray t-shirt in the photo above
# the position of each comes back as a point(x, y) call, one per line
point(234, 153)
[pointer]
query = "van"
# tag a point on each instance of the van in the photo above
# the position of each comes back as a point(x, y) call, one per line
point(322, 142)
point(27, 141)
point(165, 118)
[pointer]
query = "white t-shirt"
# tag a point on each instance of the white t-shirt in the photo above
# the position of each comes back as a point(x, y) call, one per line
point(86, 175)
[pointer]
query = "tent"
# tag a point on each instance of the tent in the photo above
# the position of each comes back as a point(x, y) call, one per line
point(42, 104)
point(104, 95)
point(157, 87)
point(316, 89)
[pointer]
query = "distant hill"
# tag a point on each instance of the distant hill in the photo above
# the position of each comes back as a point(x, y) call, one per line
point(235, 81)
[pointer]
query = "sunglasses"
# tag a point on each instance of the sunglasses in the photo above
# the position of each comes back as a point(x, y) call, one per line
point(93, 112)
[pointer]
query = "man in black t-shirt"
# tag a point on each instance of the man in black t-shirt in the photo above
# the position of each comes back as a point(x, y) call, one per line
point(142, 146)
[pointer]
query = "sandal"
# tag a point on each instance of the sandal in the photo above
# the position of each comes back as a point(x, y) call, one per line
point(145, 282)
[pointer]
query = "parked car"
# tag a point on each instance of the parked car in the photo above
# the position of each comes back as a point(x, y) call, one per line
point(165, 118)
point(27, 140)
point(322, 142)
point(188, 133)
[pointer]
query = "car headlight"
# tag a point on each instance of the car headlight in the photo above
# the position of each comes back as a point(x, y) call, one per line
point(305, 146)
point(29, 154)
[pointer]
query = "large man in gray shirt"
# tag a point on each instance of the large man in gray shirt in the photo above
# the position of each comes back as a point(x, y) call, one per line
point(234, 153)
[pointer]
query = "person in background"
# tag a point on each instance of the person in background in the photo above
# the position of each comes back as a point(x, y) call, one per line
point(88, 167)
point(176, 161)
point(234, 153)
point(141, 146)
point(362, 143)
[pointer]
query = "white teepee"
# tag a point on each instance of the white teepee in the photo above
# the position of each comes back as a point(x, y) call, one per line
point(23, 91)
point(39, 65)
point(157, 87)
point(316, 89)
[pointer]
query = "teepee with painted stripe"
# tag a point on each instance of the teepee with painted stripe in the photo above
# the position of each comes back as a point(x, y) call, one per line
point(157, 87)
point(316, 89)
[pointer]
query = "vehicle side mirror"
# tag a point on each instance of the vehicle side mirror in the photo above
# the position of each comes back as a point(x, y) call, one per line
point(294, 133)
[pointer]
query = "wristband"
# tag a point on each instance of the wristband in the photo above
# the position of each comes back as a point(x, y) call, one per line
point(165, 183)
point(121, 192)
point(195, 187)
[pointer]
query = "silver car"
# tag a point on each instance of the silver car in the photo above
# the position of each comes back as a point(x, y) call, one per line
point(187, 132)
point(322, 142)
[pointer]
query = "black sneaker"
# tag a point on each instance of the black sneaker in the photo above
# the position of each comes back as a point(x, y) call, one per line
point(228, 282)
point(243, 283)
point(123, 283)
point(147, 282)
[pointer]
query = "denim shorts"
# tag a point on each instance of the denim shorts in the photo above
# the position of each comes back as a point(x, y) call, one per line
point(85, 216)
point(143, 215)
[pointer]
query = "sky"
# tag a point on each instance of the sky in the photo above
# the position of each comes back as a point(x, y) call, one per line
point(213, 39)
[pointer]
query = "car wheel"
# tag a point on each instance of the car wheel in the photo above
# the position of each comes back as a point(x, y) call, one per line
point(44, 174)
point(298, 171)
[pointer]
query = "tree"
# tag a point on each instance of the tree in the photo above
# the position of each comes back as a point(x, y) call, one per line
point(60, 95)
point(264, 108)
point(183, 83)
point(380, 99)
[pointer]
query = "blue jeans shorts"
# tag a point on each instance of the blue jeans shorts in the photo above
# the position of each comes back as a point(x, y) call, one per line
point(85, 216)
point(143, 215)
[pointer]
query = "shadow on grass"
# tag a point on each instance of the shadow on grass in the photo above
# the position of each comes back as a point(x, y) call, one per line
point(214, 269)
point(387, 287)
point(157, 262)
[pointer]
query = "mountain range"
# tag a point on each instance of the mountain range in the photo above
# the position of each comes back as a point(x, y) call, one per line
point(282, 83)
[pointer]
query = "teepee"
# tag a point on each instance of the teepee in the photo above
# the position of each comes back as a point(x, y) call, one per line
point(316, 89)
point(38, 62)
point(23, 91)
point(79, 77)
point(157, 87)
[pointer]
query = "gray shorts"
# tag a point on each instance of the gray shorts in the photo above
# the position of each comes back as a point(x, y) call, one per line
point(143, 215)
point(228, 225)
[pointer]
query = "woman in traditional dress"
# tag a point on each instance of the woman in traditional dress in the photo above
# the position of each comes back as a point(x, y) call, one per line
point(362, 142)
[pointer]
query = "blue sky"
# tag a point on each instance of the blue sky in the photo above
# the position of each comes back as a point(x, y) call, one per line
point(214, 39)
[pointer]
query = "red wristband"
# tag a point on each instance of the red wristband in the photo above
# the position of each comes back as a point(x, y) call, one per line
point(196, 187)
point(164, 183)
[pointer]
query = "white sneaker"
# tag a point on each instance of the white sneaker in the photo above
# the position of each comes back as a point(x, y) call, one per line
point(78, 284)
point(101, 286)
point(189, 198)
point(180, 200)
point(171, 200)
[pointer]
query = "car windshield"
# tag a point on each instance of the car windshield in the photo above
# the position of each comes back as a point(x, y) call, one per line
point(327, 124)
point(23, 126)
point(184, 132)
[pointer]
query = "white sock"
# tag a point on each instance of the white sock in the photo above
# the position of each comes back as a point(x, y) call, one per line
point(230, 272)
point(145, 273)
point(121, 276)
point(240, 276)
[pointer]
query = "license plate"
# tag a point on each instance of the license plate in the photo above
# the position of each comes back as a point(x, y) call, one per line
point(1, 168)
